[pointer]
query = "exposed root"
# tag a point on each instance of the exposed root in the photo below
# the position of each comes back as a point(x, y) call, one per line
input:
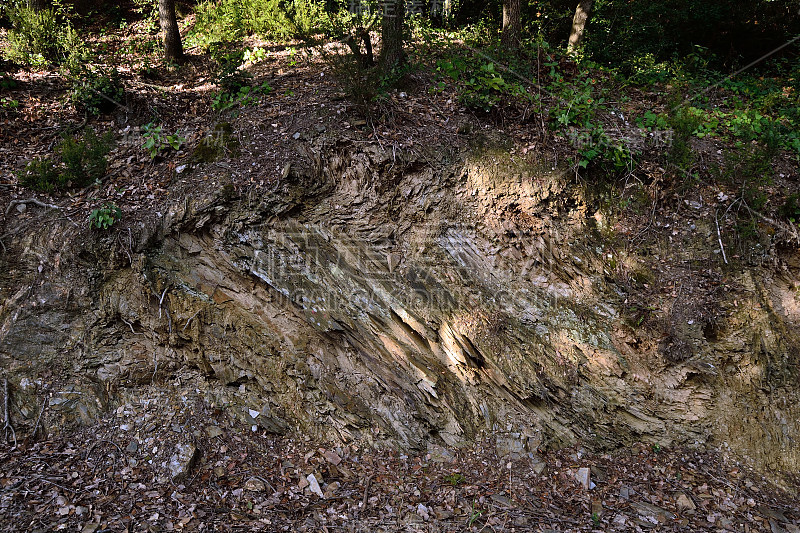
point(7, 427)
point(34, 201)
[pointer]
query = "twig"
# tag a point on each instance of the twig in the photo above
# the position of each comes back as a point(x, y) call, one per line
point(101, 441)
point(190, 319)
point(114, 464)
point(366, 491)
point(719, 238)
point(775, 223)
point(39, 418)
point(129, 325)
point(7, 427)
point(40, 478)
point(267, 483)
point(119, 240)
point(166, 309)
point(33, 201)
point(169, 322)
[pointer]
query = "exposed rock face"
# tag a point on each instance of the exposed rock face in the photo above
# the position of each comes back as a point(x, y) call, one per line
point(396, 301)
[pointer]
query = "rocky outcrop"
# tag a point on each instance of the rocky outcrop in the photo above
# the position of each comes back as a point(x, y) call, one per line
point(387, 299)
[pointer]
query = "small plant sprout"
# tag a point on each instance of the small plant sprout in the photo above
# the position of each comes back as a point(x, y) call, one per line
point(454, 479)
point(474, 515)
point(656, 448)
point(155, 141)
point(105, 217)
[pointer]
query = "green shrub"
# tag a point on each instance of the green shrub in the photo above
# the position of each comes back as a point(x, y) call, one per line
point(7, 82)
point(85, 160)
point(790, 209)
point(626, 33)
point(361, 84)
point(38, 37)
point(97, 92)
point(75, 163)
point(230, 20)
point(749, 169)
point(34, 35)
point(306, 17)
point(41, 175)
point(683, 125)
point(244, 96)
point(482, 86)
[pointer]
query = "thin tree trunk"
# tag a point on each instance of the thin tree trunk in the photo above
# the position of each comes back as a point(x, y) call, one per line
point(512, 24)
point(582, 13)
point(173, 48)
point(392, 34)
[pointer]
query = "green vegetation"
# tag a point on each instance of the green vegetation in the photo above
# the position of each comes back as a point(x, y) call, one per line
point(603, 108)
point(38, 37)
point(8, 104)
point(474, 515)
point(455, 479)
point(76, 162)
point(230, 20)
point(235, 83)
point(105, 217)
point(156, 141)
point(97, 91)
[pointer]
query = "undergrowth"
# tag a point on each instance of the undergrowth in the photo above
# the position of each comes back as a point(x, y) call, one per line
point(230, 20)
point(76, 162)
point(39, 37)
point(235, 83)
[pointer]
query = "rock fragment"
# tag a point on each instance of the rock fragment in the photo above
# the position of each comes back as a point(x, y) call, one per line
point(255, 485)
point(313, 485)
point(583, 477)
point(181, 463)
point(332, 457)
point(684, 503)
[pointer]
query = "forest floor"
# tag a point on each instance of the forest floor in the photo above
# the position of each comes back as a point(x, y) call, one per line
point(173, 463)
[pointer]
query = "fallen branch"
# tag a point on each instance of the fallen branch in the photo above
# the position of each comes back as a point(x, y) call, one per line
point(719, 238)
point(33, 201)
point(364, 499)
point(39, 418)
point(7, 427)
point(785, 227)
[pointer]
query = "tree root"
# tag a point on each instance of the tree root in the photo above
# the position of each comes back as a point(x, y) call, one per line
point(7, 427)
point(33, 201)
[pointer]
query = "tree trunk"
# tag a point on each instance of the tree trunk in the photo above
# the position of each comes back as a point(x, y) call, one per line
point(512, 24)
point(173, 49)
point(392, 34)
point(582, 13)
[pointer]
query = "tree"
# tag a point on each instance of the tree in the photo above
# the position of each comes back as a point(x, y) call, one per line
point(512, 24)
point(582, 13)
point(392, 34)
point(38, 5)
point(173, 48)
